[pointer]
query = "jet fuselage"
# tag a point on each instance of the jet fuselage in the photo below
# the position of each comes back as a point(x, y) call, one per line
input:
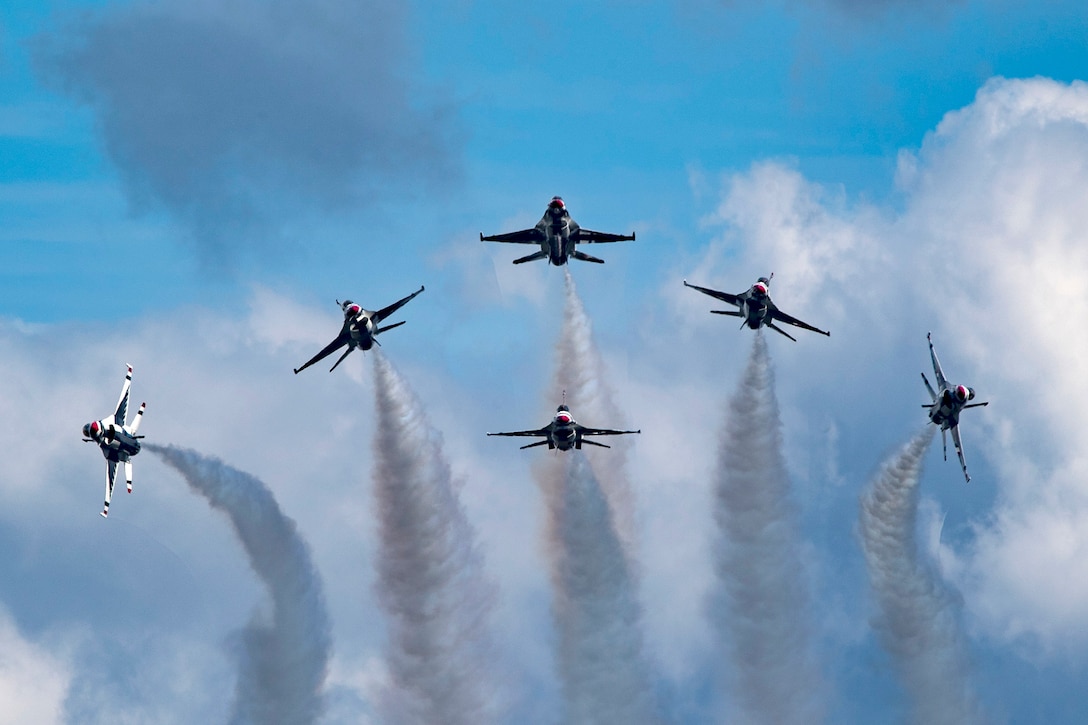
point(361, 328)
point(755, 311)
point(556, 226)
point(945, 411)
point(116, 441)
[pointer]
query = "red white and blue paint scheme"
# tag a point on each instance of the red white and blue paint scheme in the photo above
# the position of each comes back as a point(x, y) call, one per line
point(947, 403)
point(756, 308)
point(564, 433)
point(557, 234)
point(117, 439)
point(360, 329)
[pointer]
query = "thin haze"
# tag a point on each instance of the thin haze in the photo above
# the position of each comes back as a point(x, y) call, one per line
point(918, 616)
point(283, 658)
point(430, 572)
point(232, 115)
point(760, 605)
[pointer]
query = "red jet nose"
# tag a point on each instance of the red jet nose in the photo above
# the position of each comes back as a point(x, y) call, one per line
point(563, 418)
point(94, 428)
point(355, 309)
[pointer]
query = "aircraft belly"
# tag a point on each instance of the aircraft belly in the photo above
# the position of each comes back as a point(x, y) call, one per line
point(362, 339)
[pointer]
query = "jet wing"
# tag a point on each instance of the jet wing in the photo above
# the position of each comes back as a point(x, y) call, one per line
point(790, 320)
point(342, 339)
point(588, 236)
point(942, 382)
point(546, 430)
point(387, 311)
point(111, 477)
point(604, 431)
point(122, 403)
point(959, 451)
point(525, 236)
point(723, 296)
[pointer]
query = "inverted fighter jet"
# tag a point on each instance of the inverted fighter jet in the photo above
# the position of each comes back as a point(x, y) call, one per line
point(756, 308)
point(946, 406)
point(360, 329)
point(117, 440)
point(564, 433)
point(557, 234)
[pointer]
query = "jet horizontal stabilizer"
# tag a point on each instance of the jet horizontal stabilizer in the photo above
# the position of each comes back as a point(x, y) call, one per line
point(731, 313)
point(341, 359)
point(779, 330)
point(538, 443)
point(389, 327)
point(532, 257)
point(586, 257)
point(588, 442)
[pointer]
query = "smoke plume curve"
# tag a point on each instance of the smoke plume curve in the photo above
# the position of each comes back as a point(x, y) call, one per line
point(917, 618)
point(283, 662)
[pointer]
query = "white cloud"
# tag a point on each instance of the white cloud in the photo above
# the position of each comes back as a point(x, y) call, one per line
point(987, 252)
point(33, 680)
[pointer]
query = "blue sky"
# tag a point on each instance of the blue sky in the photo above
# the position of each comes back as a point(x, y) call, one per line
point(188, 187)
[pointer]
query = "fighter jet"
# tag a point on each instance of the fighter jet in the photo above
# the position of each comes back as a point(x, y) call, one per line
point(360, 329)
point(557, 234)
point(946, 406)
point(756, 308)
point(117, 440)
point(564, 433)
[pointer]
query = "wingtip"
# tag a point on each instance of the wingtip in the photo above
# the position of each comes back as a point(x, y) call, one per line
point(481, 236)
point(296, 370)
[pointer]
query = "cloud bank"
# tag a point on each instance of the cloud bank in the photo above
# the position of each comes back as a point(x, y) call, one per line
point(988, 226)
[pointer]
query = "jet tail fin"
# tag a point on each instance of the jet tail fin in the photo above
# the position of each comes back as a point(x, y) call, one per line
point(586, 257)
point(532, 257)
point(929, 387)
point(139, 419)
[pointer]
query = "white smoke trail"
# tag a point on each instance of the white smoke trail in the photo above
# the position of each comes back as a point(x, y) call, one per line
point(580, 374)
point(917, 619)
point(598, 617)
point(601, 663)
point(760, 606)
point(283, 662)
point(430, 572)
